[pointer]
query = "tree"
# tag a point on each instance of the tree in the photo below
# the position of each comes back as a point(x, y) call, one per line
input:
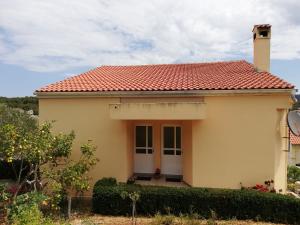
point(18, 118)
point(44, 156)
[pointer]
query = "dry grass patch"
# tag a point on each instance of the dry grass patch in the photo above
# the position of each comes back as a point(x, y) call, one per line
point(109, 220)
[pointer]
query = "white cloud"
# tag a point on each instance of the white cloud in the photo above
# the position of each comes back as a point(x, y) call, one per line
point(60, 35)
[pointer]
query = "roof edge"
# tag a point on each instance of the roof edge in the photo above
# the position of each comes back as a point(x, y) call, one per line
point(165, 93)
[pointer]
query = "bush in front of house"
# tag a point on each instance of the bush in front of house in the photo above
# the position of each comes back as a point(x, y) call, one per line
point(293, 174)
point(240, 204)
point(106, 181)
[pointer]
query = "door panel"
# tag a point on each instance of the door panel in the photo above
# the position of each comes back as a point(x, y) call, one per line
point(172, 151)
point(143, 153)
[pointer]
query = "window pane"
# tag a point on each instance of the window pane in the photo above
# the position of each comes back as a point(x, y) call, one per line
point(169, 137)
point(149, 136)
point(140, 136)
point(150, 151)
point(178, 137)
point(140, 151)
point(178, 152)
point(169, 152)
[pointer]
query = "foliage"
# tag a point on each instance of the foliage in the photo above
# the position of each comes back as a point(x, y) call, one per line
point(293, 174)
point(4, 195)
point(188, 219)
point(106, 181)
point(240, 204)
point(45, 160)
point(268, 186)
point(73, 175)
point(25, 103)
point(291, 187)
point(43, 157)
point(163, 220)
point(44, 164)
point(26, 209)
point(27, 200)
point(134, 197)
point(23, 121)
point(87, 221)
point(30, 215)
point(37, 148)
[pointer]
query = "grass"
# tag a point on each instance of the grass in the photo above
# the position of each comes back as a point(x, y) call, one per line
point(157, 220)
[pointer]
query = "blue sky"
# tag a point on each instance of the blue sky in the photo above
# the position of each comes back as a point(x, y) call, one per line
point(46, 41)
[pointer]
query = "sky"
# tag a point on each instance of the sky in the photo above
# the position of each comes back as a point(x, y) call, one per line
point(44, 41)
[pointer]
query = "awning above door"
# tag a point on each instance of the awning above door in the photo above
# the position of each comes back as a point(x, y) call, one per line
point(158, 111)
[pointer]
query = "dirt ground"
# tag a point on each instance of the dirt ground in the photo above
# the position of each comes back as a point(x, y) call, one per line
point(109, 220)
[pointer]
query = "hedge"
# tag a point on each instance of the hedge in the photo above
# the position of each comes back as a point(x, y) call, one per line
point(227, 204)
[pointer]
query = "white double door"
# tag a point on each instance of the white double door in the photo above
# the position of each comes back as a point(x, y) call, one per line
point(143, 153)
point(171, 151)
point(171, 155)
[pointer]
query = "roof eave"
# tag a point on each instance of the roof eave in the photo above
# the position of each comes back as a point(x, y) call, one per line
point(165, 93)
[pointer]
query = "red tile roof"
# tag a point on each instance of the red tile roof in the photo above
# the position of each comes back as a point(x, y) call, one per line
point(294, 139)
point(231, 75)
point(262, 26)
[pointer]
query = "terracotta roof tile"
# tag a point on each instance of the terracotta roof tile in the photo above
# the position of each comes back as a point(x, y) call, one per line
point(231, 75)
point(294, 139)
point(262, 26)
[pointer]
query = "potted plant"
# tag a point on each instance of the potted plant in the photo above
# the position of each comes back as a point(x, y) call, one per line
point(157, 174)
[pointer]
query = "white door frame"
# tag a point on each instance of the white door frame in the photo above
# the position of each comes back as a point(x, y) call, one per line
point(143, 163)
point(171, 164)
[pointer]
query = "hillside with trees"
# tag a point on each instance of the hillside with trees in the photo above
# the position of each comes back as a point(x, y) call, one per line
point(25, 103)
point(297, 104)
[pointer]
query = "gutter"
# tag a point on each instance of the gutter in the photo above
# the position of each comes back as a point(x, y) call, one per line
point(189, 93)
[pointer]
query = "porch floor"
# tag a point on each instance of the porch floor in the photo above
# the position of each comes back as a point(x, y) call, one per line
point(161, 182)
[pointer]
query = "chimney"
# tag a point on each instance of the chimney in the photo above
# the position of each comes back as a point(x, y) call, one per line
point(261, 47)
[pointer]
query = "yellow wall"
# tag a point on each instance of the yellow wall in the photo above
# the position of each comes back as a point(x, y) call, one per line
point(89, 118)
point(238, 141)
point(294, 155)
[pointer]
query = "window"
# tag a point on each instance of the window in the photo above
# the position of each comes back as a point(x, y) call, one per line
point(172, 140)
point(143, 140)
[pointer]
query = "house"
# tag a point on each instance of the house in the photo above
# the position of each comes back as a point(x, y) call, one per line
point(294, 154)
point(216, 124)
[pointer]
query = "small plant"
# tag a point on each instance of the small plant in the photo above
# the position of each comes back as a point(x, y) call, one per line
point(88, 222)
point(291, 187)
point(293, 174)
point(157, 174)
point(30, 215)
point(25, 210)
point(4, 194)
point(24, 201)
point(131, 180)
point(163, 220)
point(134, 197)
point(213, 218)
point(268, 186)
point(190, 219)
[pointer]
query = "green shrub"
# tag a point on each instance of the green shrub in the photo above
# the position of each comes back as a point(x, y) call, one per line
point(293, 174)
point(30, 215)
point(163, 220)
point(106, 181)
point(25, 202)
point(227, 204)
